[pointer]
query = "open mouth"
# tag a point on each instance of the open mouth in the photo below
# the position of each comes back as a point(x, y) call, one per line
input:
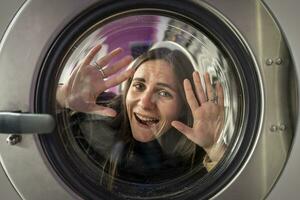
point(147, 121)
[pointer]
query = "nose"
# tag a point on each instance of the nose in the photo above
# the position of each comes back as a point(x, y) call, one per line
point(147, 100)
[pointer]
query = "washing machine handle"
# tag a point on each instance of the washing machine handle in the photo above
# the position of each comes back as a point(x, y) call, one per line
point(26, 123)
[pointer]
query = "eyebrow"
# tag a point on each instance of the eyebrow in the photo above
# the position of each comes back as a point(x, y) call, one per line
point(159, 83)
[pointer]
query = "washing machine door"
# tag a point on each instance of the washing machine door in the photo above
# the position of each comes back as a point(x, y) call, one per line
point(243, 51)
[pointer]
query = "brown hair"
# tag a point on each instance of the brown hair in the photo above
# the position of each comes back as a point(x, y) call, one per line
point(183, 69)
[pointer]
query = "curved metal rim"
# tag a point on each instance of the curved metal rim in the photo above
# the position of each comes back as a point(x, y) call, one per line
point(125, 5)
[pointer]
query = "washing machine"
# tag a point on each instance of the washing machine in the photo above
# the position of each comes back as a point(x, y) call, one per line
point(250, 46)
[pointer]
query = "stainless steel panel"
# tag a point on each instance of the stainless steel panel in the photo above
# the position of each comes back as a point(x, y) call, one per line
point(41, 20)
point(7, 190)
point(24, 46)
point(7, 11)
point(287, 14)
point(26, 170)
point(265, 41)
point(21, 52)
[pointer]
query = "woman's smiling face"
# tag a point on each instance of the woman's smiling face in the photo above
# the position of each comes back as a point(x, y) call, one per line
point(152, 101)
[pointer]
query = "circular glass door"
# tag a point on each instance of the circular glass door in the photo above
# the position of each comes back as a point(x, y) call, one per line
point(149, 104)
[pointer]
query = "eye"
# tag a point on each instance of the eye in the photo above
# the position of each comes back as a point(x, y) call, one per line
point(138, 86)
point(164, 93)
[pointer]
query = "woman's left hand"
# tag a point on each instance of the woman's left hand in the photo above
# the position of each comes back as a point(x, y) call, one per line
point(208, 113)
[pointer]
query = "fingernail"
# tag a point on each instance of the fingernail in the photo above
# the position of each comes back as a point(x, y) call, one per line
point(175, 125)
point(119, 49)
point(98, 45)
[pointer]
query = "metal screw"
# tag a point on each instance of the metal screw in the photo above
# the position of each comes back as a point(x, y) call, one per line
point(269, 61)
point(273, 128)
point(279, 61)
point(282, 127)
point(13, 139)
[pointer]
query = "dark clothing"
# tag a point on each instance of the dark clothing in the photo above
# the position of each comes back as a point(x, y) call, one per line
point(136, 161)
point(147, 163)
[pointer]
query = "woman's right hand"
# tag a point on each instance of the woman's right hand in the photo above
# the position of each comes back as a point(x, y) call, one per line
point(87, 82)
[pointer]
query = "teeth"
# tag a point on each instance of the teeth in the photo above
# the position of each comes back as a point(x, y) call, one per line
point(146, 119)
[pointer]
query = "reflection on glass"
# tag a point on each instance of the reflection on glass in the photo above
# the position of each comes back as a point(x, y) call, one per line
point(148, 99)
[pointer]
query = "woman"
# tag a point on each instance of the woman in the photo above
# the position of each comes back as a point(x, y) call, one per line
point(164, 123)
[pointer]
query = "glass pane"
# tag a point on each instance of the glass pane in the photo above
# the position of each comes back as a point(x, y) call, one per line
point(133, 110)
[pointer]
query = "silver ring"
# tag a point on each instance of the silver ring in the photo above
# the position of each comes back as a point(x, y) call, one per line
point(102, 73)
point(100, 69)
point(214, 99)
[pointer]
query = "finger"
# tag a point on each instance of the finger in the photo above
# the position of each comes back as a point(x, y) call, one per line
point(107, 58)
point(209, 89)
point(73, 78)
point(186, 130)
point(220, 93)
point(199, 89)
point(91, 54)
point(118, 65)
point(119, 78)
point(189, 94)
point(73, 74)
point(103, 111)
